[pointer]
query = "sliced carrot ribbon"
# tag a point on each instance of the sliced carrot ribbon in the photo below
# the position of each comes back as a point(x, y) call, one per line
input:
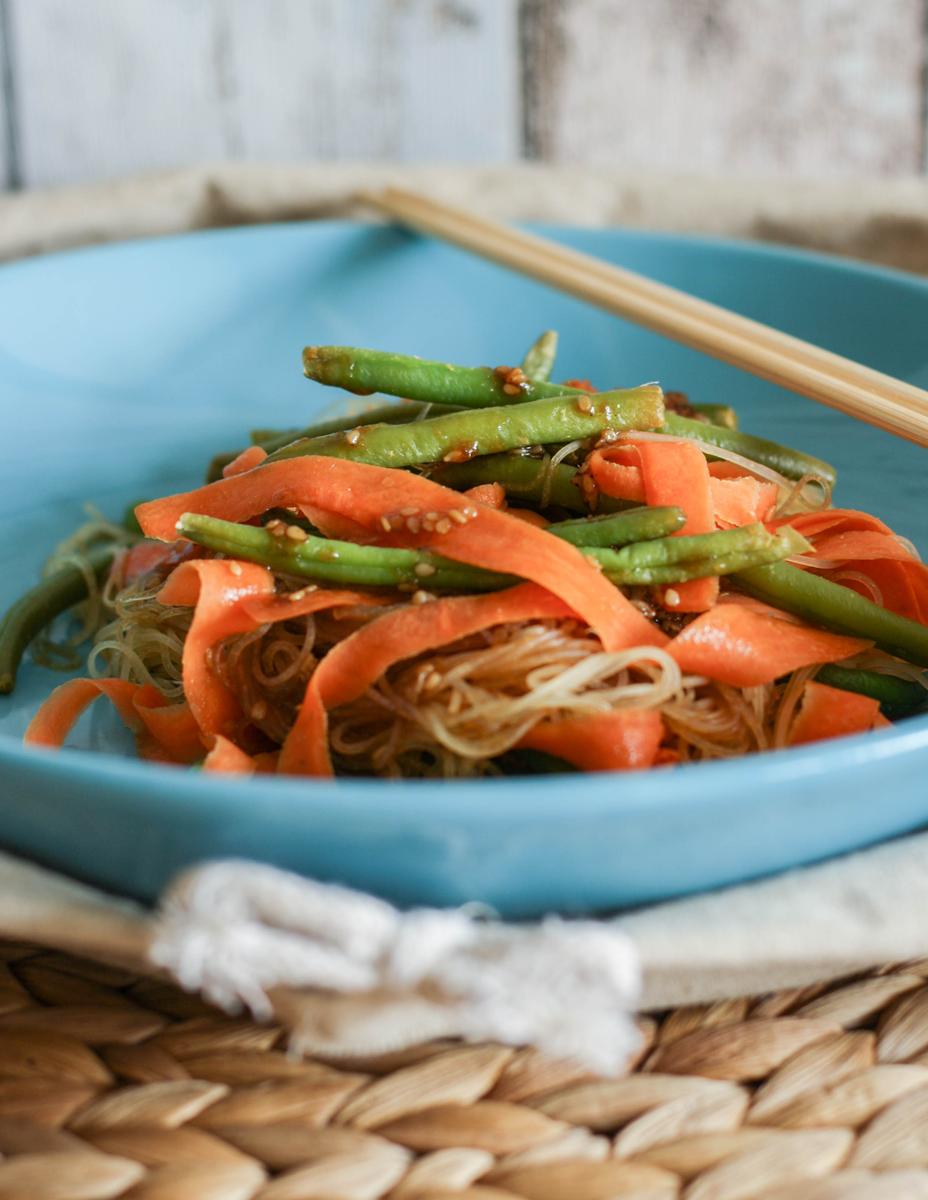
point(853, 543)
point(622, 740)
point(834, 519)
point(530, 517)
point(172, 725)
point(371, 496)
point(493, 495)
point(225, 756)
point(738, 497)
point(742, 646)
point(616, 471)
point(827, 712)
point(356, 663)
point(164, 731)
point(60, 712)
point(659, 473)
point(676, 473)
point(216, 588)
point(231, 598)
point(144, 558)
point(250, 457)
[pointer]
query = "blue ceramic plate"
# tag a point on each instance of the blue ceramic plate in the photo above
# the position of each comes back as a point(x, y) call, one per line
point(123, 369)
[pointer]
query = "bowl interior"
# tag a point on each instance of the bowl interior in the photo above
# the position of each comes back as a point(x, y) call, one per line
point(123, 369)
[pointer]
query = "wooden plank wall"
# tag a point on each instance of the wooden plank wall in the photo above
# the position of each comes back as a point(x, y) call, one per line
point(96, 88)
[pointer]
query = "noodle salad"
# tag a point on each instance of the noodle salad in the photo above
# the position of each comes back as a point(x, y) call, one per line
point(493, 574)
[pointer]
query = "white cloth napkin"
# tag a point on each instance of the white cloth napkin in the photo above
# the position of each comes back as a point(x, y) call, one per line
point(347, 972)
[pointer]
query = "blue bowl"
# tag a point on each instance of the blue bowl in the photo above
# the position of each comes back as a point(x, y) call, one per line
point(123, 369)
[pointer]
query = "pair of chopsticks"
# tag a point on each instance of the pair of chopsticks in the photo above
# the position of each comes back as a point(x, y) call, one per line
point(861, 392)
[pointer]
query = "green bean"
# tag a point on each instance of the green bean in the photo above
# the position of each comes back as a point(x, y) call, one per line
point(366, 371)
point(620, 529)
point(664, 560)
point(539, 358)
point(533, 480)
point(275, 439)
point(38, 607)
point(791, 463)
point(463, 435)
point(822, 602)
point(338, 562)
point(897, 697)
point(715, 551)
point(717, 414)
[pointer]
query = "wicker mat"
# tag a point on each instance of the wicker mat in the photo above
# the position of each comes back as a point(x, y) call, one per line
point(116, 1085)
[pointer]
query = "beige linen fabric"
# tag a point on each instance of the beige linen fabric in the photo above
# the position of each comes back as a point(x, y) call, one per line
point(881, 221)
point(849, 914)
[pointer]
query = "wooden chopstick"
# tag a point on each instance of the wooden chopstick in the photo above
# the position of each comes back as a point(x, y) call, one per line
point(799, 366)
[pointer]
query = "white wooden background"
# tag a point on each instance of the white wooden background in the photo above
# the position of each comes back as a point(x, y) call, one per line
point(95, 88)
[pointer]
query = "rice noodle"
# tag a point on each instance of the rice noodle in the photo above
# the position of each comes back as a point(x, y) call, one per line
point(876, 593)
point(453, 712)
point(82, 621)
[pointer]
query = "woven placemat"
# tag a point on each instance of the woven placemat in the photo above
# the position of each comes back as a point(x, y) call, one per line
point(116, 1085)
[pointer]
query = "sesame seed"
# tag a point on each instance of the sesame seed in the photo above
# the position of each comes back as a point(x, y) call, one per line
point(585, 404)
point(427, 525)
point(413, 524)
point(296, 534)
point(422, 569)
point(470, 513)
point(409, 511)
point(353, 436)
point(429, 680)
point(459, 517)
point(235, 568)
point(671, 598)
point(455, 703)
point(421, 597)
point(431, 516)
point(385, 524)
point(443, 526)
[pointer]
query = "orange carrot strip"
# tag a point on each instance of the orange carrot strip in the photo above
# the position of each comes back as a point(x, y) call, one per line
point(739, 645)
point(165, 732)
point(623, 740)
point(741, 500)
point(902, 585)
point(146, 557)
point(332, 525)
point(375, 497)
point(493, 495)
point(225, 756)
point(354, 664)
point(216, 588)
point(529, 517)
point(616, 471)
point(834, 519)
point(250, 457)
point(827, 712)
point(266, 610)
point(172, 725)
point(58, 715)
point(675, 473)
point(861, 543)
